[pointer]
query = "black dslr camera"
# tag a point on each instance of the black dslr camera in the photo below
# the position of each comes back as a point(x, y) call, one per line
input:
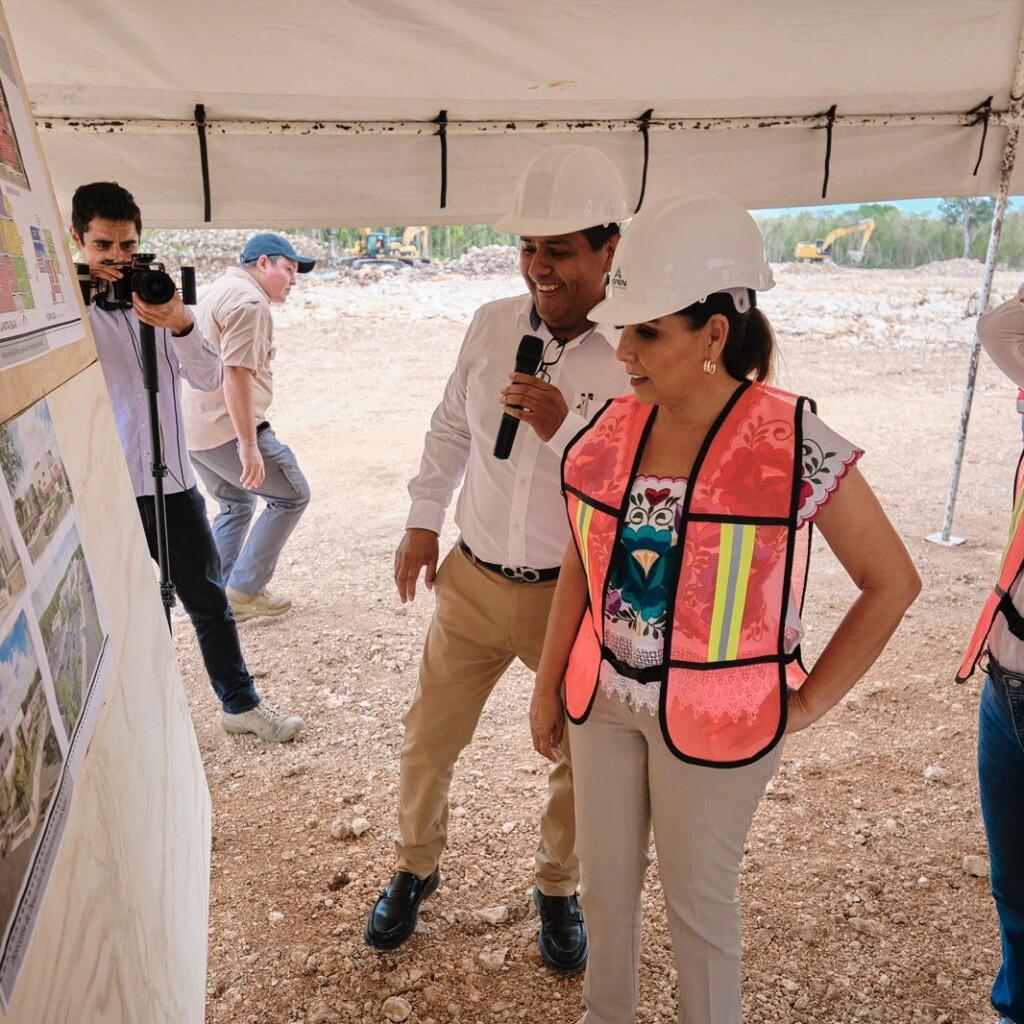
point(142, 275)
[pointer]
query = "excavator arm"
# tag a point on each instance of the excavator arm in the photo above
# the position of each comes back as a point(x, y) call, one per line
point(821, 250)
point(417, 238)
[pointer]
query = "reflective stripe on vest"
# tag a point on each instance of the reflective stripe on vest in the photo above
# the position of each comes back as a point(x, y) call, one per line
point(1010, 568)
point(725, 673)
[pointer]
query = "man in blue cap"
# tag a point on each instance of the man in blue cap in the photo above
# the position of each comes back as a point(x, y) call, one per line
point(232, 446)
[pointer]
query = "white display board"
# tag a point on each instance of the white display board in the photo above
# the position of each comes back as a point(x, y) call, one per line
point(53, 670)
point(39, 310)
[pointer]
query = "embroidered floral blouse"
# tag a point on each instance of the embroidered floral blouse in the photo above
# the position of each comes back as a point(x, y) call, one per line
point(647, 556)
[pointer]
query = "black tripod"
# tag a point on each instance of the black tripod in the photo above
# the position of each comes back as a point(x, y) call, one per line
point(151, 382)
point(145, 276)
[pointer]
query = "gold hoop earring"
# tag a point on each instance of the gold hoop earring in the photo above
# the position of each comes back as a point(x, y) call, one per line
point(710, 366)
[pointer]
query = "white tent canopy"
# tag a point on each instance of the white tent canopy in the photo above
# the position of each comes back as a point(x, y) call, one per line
point(319, 111)
point(323, 112)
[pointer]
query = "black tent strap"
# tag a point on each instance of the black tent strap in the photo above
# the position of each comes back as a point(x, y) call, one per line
point(204, 160)
point(645, 129)
point(442, 130)
point(982, 112)
point(830, 114)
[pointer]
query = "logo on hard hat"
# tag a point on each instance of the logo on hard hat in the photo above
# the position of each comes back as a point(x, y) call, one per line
point(618, 281)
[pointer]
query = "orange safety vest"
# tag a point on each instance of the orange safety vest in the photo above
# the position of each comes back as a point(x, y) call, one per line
point(999, 602)
point(725, 673)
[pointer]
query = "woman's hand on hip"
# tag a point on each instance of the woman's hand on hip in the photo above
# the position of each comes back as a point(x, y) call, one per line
point(547, 721)
point(799, 712)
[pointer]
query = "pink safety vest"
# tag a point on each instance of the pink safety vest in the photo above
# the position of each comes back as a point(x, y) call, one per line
point(999, 602)
point(725, 673)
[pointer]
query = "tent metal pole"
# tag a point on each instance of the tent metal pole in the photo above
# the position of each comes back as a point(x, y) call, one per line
point(945, 536)
point(517, 126)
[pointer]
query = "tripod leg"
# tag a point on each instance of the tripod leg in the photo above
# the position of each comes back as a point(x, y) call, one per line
point(150, 380)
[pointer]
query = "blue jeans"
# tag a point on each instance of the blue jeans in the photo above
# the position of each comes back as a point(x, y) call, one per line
point(195, 572)
point(1001, 778)
point(249, 557)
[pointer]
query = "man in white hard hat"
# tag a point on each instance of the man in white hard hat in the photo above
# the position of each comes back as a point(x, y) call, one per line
point(494, 589)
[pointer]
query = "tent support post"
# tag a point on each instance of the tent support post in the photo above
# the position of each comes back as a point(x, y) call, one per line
point(945, 536)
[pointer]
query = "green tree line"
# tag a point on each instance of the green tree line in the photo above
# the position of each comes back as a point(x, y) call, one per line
point(447, 242)
point(960, 229)
point(901, 240)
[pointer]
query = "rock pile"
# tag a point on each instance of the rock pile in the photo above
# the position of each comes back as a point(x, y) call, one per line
point(951, 268)
point(490, 259)
point(210, 251)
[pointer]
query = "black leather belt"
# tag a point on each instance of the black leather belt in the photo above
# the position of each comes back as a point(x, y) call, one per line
point(1002, 675)
point(515, 573)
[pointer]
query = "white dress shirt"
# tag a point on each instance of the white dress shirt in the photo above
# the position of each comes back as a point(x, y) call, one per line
point(510, 511)
point(191, 356)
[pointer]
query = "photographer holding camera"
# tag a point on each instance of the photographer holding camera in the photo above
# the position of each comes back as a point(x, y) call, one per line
point(105, 225)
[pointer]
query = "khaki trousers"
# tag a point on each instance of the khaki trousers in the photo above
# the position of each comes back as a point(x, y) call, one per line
point(626, 779)
point(481, 623)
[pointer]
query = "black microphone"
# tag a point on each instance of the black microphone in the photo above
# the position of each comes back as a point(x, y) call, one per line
point(528, 357)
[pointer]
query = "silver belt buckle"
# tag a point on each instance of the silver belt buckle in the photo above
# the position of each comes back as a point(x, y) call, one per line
point(521, 573)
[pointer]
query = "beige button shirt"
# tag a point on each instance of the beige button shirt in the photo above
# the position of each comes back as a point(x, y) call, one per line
point(234, 314)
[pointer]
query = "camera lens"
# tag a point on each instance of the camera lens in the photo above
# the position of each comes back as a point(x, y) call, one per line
point(153, 286)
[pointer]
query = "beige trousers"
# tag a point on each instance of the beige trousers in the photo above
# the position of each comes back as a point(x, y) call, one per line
point(481, 623)
point(626, 779)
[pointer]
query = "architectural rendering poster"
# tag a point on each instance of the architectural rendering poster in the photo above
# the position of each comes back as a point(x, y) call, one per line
point(53, 648)
point(38, 304)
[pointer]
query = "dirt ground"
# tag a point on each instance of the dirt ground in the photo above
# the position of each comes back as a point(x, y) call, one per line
point(857, 904)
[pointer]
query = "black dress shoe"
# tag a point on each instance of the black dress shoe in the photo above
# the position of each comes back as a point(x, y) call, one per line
point(393, 918)
point(563, 936)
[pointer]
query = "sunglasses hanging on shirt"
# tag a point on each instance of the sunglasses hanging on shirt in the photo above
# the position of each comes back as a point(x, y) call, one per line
point(546, 361)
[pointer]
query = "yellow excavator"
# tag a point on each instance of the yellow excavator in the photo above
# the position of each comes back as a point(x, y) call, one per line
point(378, 248)
point(821, 250)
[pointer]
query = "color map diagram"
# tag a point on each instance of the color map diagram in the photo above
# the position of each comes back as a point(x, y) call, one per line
point(46, 260)
point(15, 290)
point(12, 167)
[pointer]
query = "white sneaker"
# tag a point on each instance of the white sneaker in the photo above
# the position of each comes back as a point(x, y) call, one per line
point(265, 722)
point(248, 606)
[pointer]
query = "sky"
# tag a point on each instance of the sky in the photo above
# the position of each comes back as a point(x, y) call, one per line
point(33, 435)
point(17, 667)
point(54, 572)
point(908, 206)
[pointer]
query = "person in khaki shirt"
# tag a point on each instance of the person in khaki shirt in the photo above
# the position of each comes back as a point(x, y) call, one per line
point(232, 446)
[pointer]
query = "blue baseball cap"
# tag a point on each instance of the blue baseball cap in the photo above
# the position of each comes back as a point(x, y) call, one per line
point(267, 244)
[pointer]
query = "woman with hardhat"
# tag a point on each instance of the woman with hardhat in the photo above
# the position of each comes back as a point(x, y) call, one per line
point(675, 628)
point(997, 645)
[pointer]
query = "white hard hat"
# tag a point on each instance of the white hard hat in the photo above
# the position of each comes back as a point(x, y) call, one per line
point(566, 189)
point(678, 251)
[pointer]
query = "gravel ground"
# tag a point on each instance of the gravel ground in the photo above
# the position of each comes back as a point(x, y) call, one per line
point(859, 901)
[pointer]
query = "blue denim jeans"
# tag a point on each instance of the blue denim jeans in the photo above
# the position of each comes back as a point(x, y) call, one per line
point(1001, 778)
point(195, 573)
point(249, 556)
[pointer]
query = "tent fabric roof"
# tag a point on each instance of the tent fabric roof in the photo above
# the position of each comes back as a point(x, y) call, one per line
point(485, 60)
